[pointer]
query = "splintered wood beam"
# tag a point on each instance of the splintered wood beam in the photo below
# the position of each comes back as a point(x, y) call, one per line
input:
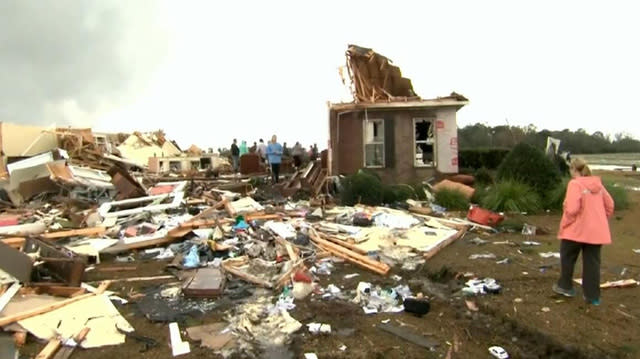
point(94, 231)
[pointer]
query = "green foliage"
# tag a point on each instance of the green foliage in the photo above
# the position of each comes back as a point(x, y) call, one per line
point(367, 188)
point(555, 198)
point(579, 141)
point(512, 196)
point(619, 195)
point(482, 157)
point(483, 176)
point(480, 193)
point(418, 189)
point(362, 187)
point(529, 165)
point(452, 200)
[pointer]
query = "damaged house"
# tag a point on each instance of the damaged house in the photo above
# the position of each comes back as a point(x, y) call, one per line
point(388, 129)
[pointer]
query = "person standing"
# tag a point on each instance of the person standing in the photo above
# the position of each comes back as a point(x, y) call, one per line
point(235, 155)
point(314, 152)
point(285, 150)
point(274, 153)
point(254, 148)
point(262, 151)
point(584, 228)
point(243, 148)
point(297, 153)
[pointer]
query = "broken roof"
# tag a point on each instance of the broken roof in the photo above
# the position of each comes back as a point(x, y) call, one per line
point(453, 100)
point(375, 79)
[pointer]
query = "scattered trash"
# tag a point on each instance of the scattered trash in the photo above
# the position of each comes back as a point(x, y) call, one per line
point(483, 256)
point(408, 335)
point(319, 328)
point(518, 300)
point(416, 306)
point(531, 243)
point(504, 261)
point(550, 255)
point(498, 352)
point(637, 251)
point(342, 348)
point(178, 347)
point(478, 241)
point(623, 283)
point(545, 309)
point(349, 276)
point(472, 306)
point(481, 286)
point(310, 356)
point(529, 230)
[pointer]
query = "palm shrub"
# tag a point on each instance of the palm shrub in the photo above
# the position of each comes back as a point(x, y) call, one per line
point(512, 196)
point(362, 187)
point(555, 198)
point(452, 199)
point(530, 166)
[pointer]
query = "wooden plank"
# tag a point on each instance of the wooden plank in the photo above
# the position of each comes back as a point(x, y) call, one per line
point(8, 295)
point(93, 231)
point(58, 290)
point(432, 252)
point(142, 279)
point(117, 269)
point(66, 352)
point(246, 276)
point(344, 244)
point(382, 268)
point(209, 210)
point(49, 307)
point(14, 242)
point(49, 350)
point(421, 210)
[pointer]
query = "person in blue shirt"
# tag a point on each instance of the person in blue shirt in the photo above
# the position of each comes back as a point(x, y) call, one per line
point(274, 154)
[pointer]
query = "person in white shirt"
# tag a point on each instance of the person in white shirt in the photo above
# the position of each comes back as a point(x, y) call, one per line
point(262, 151)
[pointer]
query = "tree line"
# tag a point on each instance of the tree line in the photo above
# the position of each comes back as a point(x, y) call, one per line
point(482, 136)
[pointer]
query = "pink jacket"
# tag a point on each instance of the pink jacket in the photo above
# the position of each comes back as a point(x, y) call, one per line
point(587, 208)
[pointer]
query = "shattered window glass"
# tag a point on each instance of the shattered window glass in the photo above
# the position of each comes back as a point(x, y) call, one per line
point(424, 143)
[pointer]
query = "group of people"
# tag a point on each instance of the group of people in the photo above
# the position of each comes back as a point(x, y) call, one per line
point(272, 153)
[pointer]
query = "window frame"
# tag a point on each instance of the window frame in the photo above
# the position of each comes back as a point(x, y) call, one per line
point(416, 142)
point(365, 143)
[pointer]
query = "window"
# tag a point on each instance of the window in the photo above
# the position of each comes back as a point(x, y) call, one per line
point(424, 143)
point(175, 166)
point(374, 143)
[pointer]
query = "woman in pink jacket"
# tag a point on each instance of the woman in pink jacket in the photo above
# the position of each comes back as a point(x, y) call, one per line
point(584, 227)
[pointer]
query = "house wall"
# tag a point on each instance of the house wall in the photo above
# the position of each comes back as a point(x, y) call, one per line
point(16, 139)
point(347, 143)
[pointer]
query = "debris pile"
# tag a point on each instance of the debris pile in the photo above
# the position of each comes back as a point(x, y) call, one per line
point(218, 240)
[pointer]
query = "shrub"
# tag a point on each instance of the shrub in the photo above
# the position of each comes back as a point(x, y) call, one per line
point(529, 165)
point(619, 195)
point(483, 176)
point(362, 187)
point(555, 198)
point(452, 200)
point(512, 196)
point(483, 157)
point(479, 194)
point(398, 193)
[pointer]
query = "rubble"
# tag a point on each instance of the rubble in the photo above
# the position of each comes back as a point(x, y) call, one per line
point(92, 207)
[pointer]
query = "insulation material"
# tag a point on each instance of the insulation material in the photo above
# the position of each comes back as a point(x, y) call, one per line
point(447, 141)
point(96, 312)
point(245, 205)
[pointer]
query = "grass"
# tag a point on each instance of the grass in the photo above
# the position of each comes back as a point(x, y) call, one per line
point(452, 200)
point(512, 196)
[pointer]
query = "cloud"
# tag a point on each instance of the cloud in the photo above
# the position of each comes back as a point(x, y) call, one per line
point(66, 61)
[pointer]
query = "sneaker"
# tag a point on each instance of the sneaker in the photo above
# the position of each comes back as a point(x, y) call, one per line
point(567, 293)
point(594, 302)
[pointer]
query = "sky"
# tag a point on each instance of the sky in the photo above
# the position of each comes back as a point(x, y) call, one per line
point(206, 72)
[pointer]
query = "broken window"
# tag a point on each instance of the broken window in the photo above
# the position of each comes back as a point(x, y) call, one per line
point(195, 165)
point(374, 143)
point(175, 166)
point(424, 142)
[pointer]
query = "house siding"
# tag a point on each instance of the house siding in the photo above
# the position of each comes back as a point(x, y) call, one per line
point(347, 141)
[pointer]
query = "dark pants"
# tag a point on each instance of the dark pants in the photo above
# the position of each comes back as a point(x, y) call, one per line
point(275, 172)
point(569, 251)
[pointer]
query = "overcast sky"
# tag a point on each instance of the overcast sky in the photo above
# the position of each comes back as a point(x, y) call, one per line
point(207, 71)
